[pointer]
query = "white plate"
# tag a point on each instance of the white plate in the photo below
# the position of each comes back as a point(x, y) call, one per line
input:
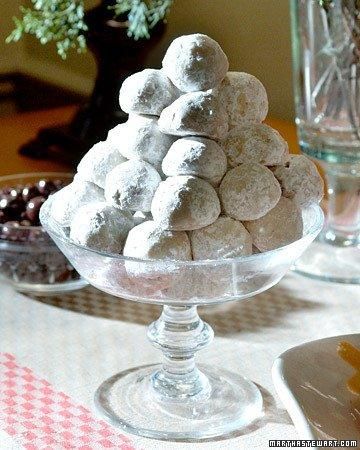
point(311, 382)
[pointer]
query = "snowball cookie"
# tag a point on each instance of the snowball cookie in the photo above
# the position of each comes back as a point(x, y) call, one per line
point(195, 62)
point(255, 142)
point(132, 185)
point(225, 238)
point(196, 156)
point(69, 199)
point(149, 241)
point(280, 226)
point(115, 137)
point(249, 191)
point(140, 138)
point(101, 227)
point(197, 114)
point(206, 283)
point(185, 203)
point(300, 180)
point(245, 98)
point(98, 162)
point(147, 92)
point(118, 278)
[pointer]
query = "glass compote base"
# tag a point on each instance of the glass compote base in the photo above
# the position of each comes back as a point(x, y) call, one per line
point(229, 403)
point(335, 254)
point(179, 400)
point(327, 262)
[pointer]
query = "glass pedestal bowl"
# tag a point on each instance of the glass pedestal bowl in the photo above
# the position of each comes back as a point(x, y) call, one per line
point(178, 400)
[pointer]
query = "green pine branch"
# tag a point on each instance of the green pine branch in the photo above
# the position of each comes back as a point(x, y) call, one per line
point(62, 21)
point(143, 15)
point(59, 21)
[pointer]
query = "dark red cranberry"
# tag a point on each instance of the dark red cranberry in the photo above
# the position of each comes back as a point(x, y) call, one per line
point(30, 192)
point(46, 187)
point(11, 224)
point(33, 209)
point(15, 193)
point(4, 202)
point(59, 184)
point(23, 203)
point(3, 217)
point(36, 235)
point(12, 207)
point(9, 230)
point(5, 191)
point(13, 231)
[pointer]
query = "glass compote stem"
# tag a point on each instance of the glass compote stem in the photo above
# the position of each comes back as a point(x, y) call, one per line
point(179, 333)
point(177, 399)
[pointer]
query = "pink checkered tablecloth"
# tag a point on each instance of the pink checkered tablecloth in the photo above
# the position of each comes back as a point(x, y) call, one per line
point(37, 416)
point(55, 351)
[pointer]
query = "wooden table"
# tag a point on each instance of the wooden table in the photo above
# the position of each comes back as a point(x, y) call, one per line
point(18, 129)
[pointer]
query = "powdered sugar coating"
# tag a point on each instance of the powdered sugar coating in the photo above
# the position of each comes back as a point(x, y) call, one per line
point(115, 137)
point(195, 62)
point(225, 238)
point(280, 226)
point(98, 162)
point(185, 203)
point(196, 156)
point(149, 241)
point(101, 227)
point(141, 138)
point(255, 142)
point(300, 180)
point(196, 114)
point(67, 201)
point(132, 185)
point(141, 216)
point(244, 97)
point(249, 191)
point(147, 92)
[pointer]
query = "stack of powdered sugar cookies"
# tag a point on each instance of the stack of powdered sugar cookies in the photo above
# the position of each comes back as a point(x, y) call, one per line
point(194, 173)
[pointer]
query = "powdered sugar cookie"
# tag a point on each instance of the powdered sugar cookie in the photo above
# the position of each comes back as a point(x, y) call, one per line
point(300, 180)
point(147, 92)
point(280, 226)
point(185, 203)
point(195, 63)
point(249, 191)
point(255, 143)
point(196, 114)
point(196, 156)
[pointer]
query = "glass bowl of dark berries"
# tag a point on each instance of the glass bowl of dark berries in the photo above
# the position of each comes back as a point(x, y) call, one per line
point(29, 259)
